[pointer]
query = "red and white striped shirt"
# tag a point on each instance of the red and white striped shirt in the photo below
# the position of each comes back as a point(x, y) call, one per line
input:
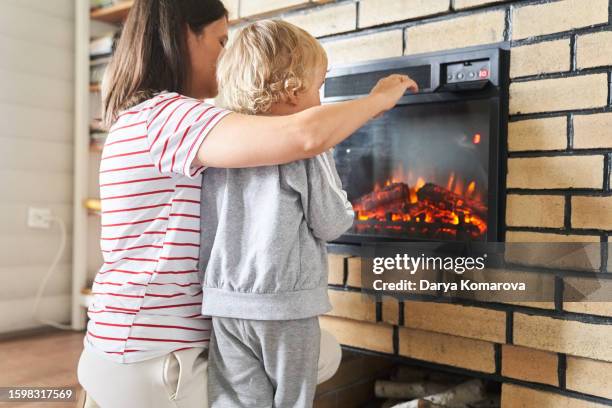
point(147, 294)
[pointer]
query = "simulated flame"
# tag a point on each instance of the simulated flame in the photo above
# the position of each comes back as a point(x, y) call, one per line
point(407, 203)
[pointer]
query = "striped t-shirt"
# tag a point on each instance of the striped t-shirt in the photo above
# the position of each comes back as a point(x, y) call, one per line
point(147, 294)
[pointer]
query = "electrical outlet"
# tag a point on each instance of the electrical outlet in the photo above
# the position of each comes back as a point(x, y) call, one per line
point(39, 217)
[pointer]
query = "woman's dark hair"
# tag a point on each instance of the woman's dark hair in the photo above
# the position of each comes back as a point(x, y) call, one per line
point(151, 55)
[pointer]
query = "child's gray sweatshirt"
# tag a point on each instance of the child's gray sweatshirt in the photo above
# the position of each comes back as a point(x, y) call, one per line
point(263, 235)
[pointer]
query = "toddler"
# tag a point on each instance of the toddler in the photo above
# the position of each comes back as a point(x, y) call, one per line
point(263, 240)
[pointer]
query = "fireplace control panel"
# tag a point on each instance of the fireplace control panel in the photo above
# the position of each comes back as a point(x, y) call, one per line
point(465, 74)
point(439, 75)
point(467, 71)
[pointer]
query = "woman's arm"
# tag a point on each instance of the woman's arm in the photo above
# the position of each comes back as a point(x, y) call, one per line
point(248, 141)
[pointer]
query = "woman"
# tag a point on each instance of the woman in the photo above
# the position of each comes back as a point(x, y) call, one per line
point(146, 340)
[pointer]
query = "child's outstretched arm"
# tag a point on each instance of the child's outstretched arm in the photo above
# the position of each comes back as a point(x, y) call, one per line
point(250, 141)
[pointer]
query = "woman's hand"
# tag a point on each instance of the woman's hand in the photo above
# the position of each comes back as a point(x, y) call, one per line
point(390, 89)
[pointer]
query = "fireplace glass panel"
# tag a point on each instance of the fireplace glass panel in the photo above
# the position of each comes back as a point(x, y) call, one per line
point(420, 172)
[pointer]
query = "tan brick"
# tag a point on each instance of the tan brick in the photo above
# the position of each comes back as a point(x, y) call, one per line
point(594, 50)
point(555, 172)
point(589, 376)
point(481, 28)
point(543, 282)
point(365, 335)
point(352, 305)
point(563, 336)
point(548, 305)
point(538, 134)
point(354, 272)
point(461, 4)
point(374, 12)
point(592, 212)
point(593, 131)
point(383, 44)
point(540, 19)
point(581, 252)
point(458, 320)
point(250, 8)
point(439, 348)
point(540, 58)
point(390, 310)
point(529, 365)
point(559, 94)
point(588, 295)
point(326, 20)
point(535, 211)
point(599, 308)
point(515, 396)
point(527, 236)
point(335, 264)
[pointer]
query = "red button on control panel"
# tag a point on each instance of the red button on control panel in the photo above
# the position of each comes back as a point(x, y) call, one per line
point(483, 73)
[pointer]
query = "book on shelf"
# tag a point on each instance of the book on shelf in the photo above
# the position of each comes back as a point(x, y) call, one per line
point(97, 134)
point(101, 61)
point(97, 68)
point(102, 47)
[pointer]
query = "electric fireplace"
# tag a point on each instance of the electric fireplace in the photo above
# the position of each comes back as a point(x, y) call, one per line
point(430, 169)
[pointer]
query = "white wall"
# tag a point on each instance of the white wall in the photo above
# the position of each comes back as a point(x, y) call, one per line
point(36, 148)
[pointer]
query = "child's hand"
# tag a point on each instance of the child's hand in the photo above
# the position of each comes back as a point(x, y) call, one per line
point(392, 88)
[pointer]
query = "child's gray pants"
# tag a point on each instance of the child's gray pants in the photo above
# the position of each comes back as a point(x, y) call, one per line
point(263, 363)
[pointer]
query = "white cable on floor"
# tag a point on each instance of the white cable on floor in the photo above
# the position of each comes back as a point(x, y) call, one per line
point(43, 284)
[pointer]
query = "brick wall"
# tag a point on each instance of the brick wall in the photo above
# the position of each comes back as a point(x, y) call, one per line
point(549, 354)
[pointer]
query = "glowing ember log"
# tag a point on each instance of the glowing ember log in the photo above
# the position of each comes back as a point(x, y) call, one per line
point(442, 198)
point(388, 195)
point(427, 210)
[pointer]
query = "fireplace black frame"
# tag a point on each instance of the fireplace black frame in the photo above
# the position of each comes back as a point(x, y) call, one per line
point(439, 79)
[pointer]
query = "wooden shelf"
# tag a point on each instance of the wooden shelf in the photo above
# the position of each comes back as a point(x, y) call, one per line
point(115, 14)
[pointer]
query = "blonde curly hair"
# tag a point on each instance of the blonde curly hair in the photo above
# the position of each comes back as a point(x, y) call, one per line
point(265, 63)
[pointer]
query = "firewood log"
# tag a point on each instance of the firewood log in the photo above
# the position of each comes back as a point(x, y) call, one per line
point(405, 390)
point(379, 199)
point(456, 397)
point(428, 404)
point(446, 199)
point(421, 403)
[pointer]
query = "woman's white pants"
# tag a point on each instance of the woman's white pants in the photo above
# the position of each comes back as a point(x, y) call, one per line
point(176, 380)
